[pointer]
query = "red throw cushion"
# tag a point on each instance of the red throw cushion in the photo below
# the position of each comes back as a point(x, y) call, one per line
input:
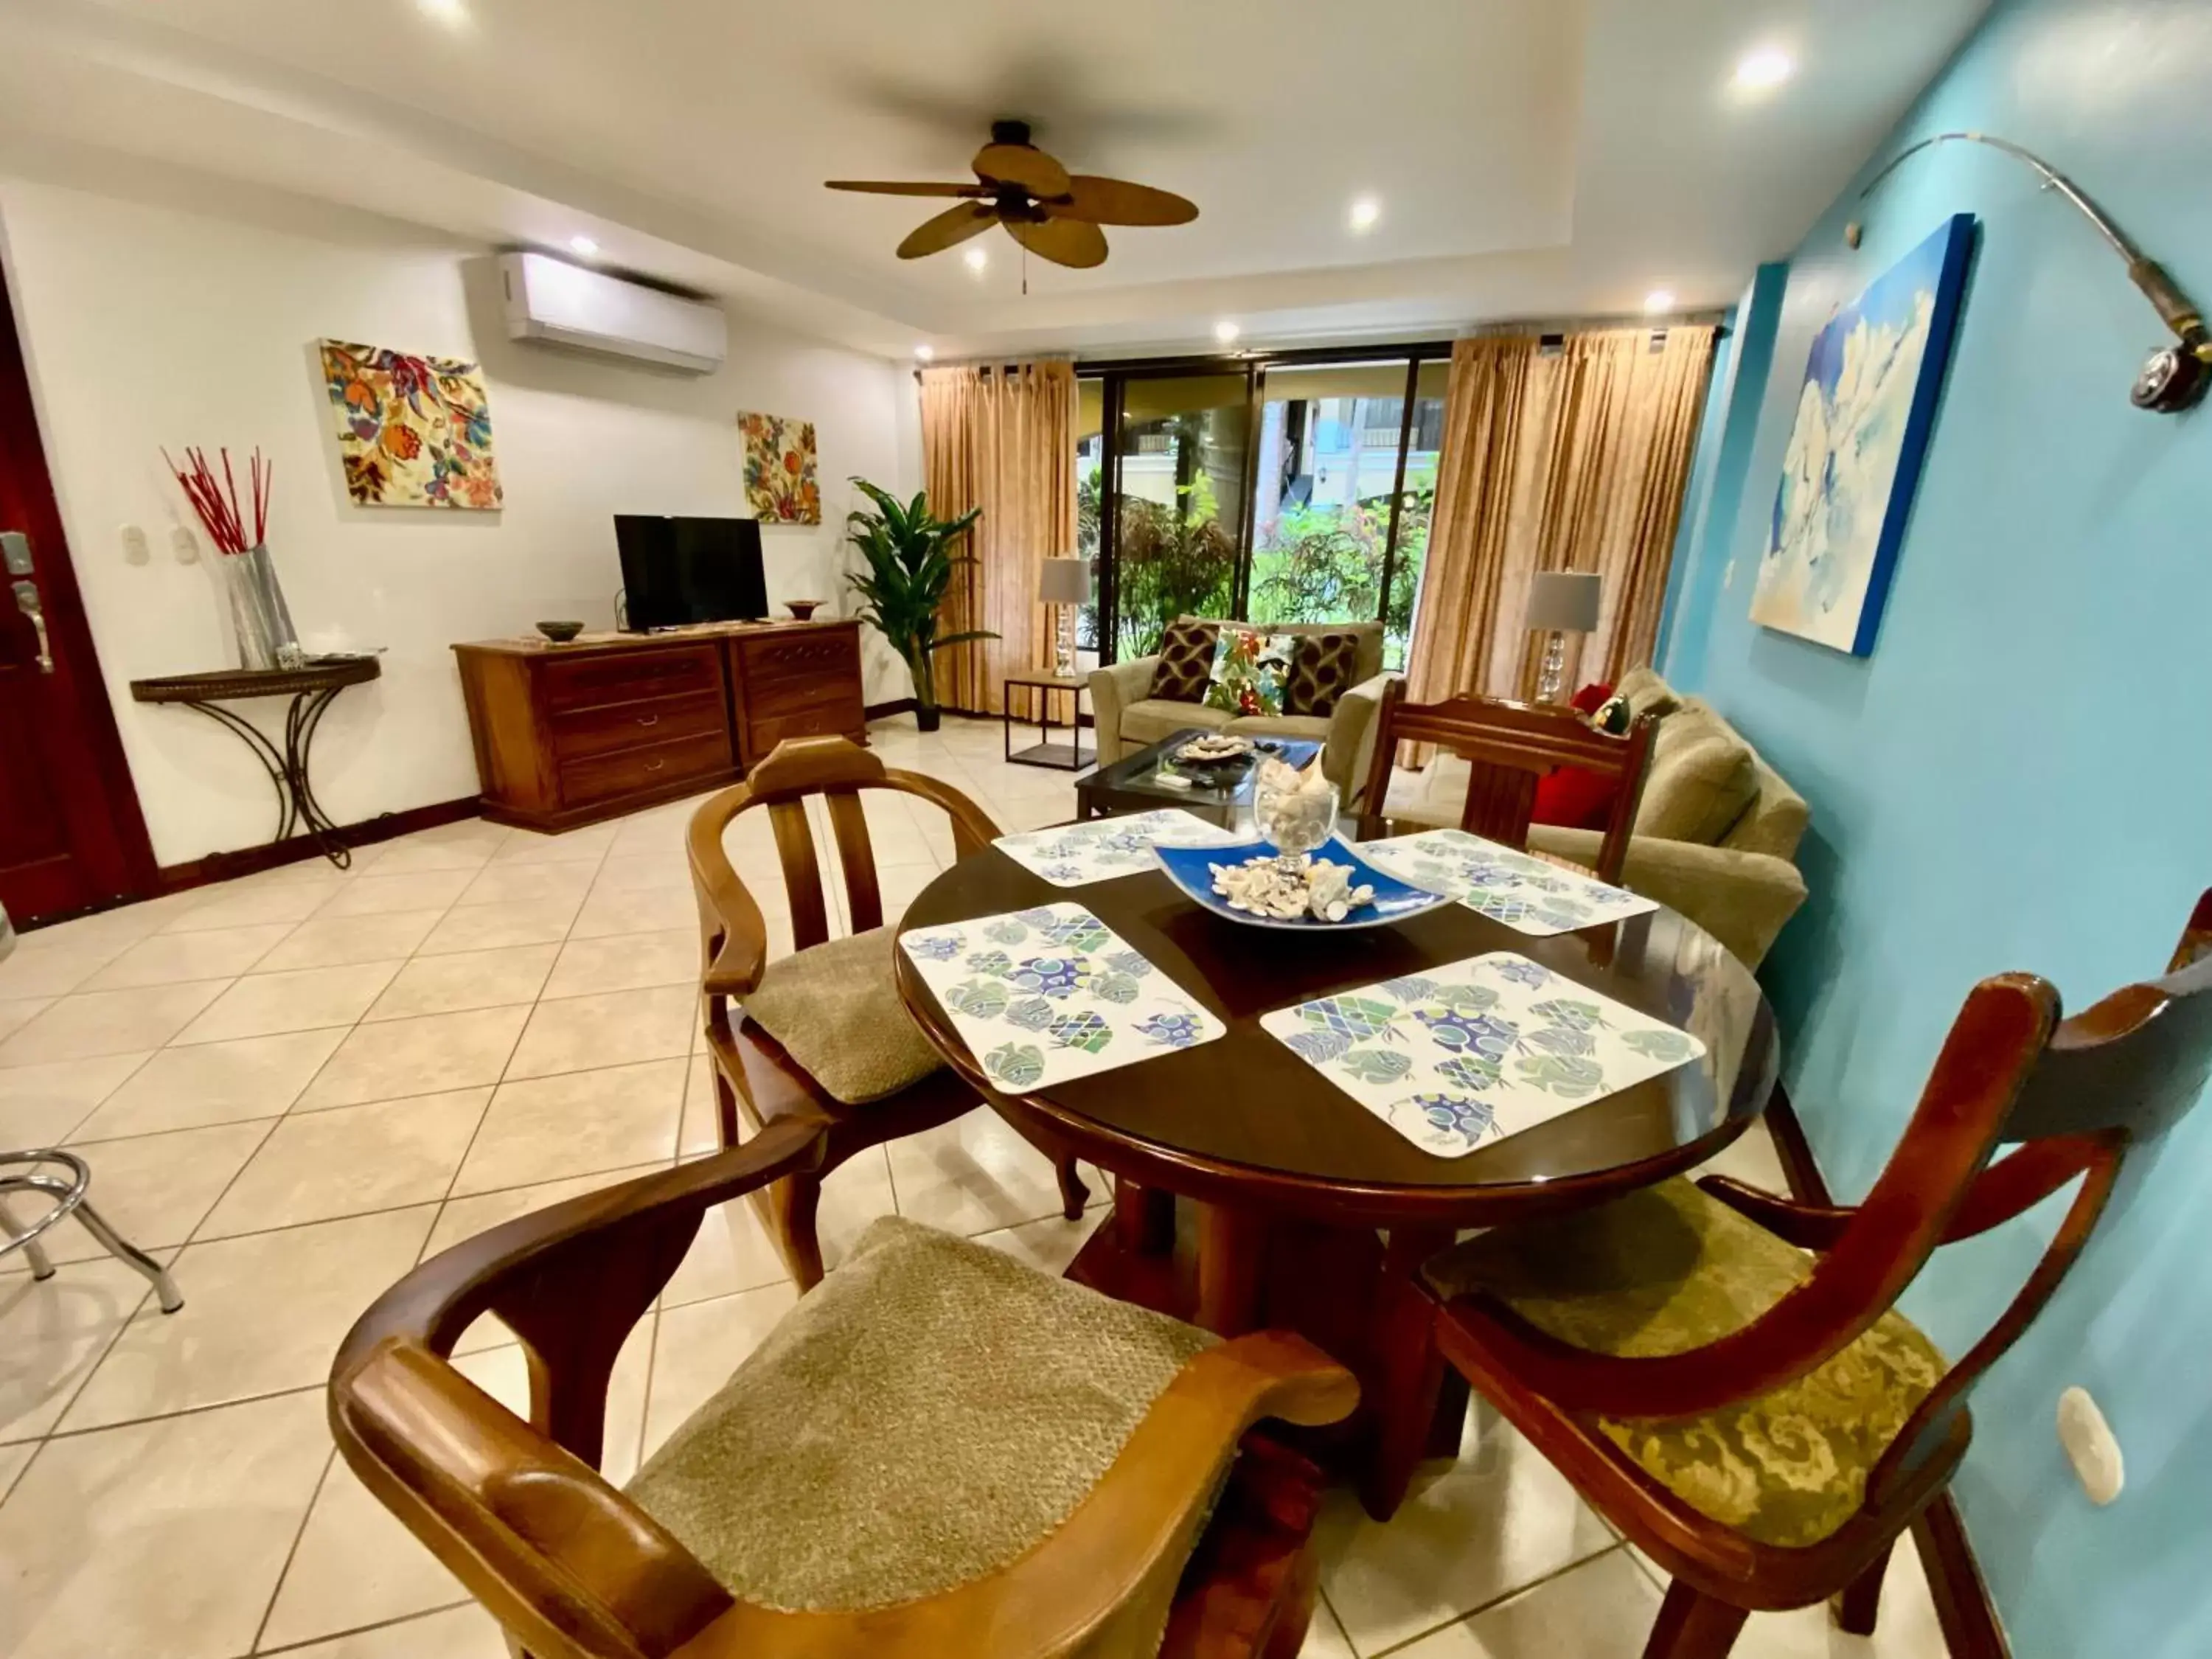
point(1590, 698)
point(1574, 799)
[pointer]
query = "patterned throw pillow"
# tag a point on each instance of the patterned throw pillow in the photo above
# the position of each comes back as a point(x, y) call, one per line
point(1185, 662)
point(1250, 668)
point(1321, 669)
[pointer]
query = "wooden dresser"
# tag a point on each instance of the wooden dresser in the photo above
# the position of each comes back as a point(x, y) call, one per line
point(566, 734)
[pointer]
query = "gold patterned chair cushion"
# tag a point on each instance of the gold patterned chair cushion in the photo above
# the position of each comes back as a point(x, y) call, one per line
point(835, 1010)
point(1186, 665)
point(925, 1415)
point(1668, 1269)
point(1323, 667)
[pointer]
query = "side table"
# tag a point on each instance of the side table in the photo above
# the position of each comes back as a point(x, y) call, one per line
point(311, 688)
point(1067, 757)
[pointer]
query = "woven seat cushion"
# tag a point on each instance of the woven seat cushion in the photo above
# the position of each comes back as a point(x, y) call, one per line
point(924, 1416)
point(835, 1010)
point(1667, 1269)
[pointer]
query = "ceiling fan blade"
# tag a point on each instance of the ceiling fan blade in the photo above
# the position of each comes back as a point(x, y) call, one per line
point(1064, 241)
point(893, 187)
point(954, 225)
point(1117, 202)
point(1022, 164)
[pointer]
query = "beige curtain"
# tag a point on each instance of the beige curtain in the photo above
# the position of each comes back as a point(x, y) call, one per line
point(1002, 439)
point(1571, 458)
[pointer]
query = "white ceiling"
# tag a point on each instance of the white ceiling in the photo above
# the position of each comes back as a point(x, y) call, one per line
point(1532, 157)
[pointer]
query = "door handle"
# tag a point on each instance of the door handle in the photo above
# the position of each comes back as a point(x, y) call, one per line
point(27, 601)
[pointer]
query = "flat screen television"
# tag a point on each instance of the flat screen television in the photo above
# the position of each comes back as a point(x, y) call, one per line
point(678, 571)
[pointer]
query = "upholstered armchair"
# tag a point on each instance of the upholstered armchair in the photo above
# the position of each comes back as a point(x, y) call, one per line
point(940, 1451)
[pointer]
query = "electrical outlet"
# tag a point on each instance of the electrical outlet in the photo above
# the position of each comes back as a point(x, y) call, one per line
point(2090, 1446)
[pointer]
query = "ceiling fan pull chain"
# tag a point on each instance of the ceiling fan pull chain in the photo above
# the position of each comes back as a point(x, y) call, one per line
point(1025, 271)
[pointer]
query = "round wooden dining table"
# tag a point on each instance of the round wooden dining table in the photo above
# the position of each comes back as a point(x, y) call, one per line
point(1302, 1208)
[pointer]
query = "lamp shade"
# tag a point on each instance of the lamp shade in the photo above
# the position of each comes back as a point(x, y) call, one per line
point(1066, 582)
point(1564, 599)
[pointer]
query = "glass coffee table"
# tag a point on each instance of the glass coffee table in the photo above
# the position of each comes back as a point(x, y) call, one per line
point(1134, 783)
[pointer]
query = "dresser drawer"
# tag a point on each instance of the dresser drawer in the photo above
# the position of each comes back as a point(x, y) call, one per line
point(578, 732)
point(829, 656)
point(663, 670)
point(635, 771)
point(829, 721)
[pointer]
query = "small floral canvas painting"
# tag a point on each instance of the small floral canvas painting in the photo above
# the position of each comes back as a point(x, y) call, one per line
point(412, 431)
point(780, 469)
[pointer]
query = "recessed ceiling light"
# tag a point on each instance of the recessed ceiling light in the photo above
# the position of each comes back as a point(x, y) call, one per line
point(976, 259)
point(1768, 66)
point(449, 12)
point(583, 244)
point(922, 353)
point(1659, 301)
point(1226, 333)
point(1364, 212)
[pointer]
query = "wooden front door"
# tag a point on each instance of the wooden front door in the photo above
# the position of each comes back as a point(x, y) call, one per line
point(71, 837)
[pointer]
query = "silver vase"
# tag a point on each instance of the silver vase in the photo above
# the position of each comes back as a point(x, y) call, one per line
point(261, 620)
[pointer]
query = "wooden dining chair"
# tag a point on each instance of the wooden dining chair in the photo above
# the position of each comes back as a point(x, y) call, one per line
point(1760, 1421)
point(938, 1451)
point(1509, 747)
point(821, 1033)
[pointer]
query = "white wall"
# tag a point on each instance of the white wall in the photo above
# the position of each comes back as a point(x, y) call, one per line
point(146, 326)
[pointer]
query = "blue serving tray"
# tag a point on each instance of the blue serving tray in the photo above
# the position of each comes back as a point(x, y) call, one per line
point(1190, 869)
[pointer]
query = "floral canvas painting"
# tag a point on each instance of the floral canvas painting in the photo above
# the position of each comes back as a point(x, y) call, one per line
point(413, 431)
point(1457, 1056)
point(780, 469)
point(1864, 416)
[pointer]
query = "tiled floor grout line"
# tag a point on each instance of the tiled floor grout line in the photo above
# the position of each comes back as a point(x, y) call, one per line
point(1498, 1600)
point(276, 1588)
point(259, 1652)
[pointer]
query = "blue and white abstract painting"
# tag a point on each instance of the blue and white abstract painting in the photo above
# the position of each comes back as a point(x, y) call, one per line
point(1864, 419)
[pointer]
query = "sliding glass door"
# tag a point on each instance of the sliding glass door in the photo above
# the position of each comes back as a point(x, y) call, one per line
point(1290, 487)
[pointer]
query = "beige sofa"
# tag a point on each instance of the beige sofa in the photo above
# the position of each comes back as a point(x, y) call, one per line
point(1129, 716)
point(1717, 830)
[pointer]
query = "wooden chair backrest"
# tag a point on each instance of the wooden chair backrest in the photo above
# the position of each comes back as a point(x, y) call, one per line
point(1508, 747)
point(733, 935)
point(2071, 1098)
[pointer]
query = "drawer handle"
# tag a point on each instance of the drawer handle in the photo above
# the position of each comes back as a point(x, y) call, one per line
point(654, 765)
point(648, 720)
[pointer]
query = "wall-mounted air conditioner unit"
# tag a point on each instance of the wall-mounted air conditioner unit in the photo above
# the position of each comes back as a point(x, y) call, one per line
point(567, 305)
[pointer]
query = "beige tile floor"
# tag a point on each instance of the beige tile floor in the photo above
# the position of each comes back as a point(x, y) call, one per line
point(293, 1088)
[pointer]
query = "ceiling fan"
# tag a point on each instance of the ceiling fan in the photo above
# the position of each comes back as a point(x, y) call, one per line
point(1052, 212)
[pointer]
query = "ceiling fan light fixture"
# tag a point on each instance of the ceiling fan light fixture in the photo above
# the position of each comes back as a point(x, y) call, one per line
point(922, 353)
point(583, 247)
point(976, 259)
point(1659, 302)
point(1226, 332)
point(1365, 210)
point(451, 13)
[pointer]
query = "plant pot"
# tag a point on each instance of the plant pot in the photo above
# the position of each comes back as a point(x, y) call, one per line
point(927, 718)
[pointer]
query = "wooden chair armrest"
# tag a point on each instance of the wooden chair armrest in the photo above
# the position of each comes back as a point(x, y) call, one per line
point(556, 1554)
point(1113, 1563)
point(1808, 1226)
point(731, 926)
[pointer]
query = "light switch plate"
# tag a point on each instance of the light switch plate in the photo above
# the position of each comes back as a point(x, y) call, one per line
point(134, 550)
point(183, 545)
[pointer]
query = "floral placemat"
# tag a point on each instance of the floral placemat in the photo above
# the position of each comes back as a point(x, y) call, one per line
point(1042, 995)
point(1455, 1057)
point(1525, 893)
point(1076, 854)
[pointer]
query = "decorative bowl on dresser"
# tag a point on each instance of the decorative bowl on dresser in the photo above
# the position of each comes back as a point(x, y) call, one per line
point(569, 734)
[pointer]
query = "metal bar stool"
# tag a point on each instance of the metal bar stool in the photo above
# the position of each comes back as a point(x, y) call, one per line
point(64, 1178)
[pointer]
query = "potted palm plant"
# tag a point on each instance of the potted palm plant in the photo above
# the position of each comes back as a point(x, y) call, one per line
point(910, 564)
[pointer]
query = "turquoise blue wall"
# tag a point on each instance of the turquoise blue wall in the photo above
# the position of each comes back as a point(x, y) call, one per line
point(2020, 774)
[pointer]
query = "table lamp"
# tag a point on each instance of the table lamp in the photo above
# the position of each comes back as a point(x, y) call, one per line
point(1067, 585)
point(1564, 602)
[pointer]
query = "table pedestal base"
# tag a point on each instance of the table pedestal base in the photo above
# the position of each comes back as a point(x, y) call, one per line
point(1232, 1271)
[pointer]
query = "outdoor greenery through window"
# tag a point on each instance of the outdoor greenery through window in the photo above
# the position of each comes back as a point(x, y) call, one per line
point(1281, 491)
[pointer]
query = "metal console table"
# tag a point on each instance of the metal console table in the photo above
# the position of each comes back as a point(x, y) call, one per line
point(311, 688)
